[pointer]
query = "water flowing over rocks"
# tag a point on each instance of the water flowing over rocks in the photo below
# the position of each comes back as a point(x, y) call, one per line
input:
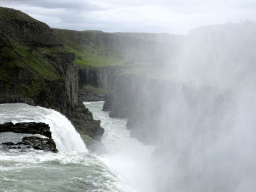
point(29, 128)
point(35, 142)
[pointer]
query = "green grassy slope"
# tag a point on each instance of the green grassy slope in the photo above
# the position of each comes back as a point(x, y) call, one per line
point(22, 63)
point(88, 53)
point(138, 51)
point(28, 56)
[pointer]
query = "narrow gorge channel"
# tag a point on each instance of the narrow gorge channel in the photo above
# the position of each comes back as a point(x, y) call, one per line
point(127, 157)
point(123, 169)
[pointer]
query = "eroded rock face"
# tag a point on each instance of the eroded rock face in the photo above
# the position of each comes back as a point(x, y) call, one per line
point(126, 92)
point(141, 100)
point(83, 119)
point(34, 142)
point(108, 102)
point(95, 77)
point(29, 128)
point(38, 143)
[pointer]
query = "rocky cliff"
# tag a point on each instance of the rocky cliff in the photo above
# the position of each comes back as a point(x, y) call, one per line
point(102, 55)
point(96, 82)
point(200, 68)
point(141, 100)
point(36, 69)
point(39, 64)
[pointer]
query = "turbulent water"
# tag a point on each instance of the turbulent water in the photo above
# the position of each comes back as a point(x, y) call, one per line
point(127, 157)
point(63, 133)
point(73, 168)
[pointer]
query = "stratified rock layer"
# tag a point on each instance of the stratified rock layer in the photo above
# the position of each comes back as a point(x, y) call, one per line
point(37, 143)
point(28, 128)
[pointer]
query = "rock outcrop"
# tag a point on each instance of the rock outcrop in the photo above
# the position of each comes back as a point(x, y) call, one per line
point(141, 100)
point(127, 90)
point(95, 82)
point(29, 128)
point(35, 142)
point(85, 124)
point(108, 102)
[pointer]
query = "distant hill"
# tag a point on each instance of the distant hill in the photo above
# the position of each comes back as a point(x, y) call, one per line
point(97, 48)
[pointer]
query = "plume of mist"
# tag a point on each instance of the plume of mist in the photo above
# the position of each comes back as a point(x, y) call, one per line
point(207, 128)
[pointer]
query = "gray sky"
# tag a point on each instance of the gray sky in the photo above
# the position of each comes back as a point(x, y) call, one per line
point(161, 16)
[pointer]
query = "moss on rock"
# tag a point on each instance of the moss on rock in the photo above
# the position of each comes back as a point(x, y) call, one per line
point(35, 68)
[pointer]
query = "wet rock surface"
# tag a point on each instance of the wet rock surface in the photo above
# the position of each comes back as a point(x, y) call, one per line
point(85, 124)
point(33, 142)
point(29, 128)
point(44, 142)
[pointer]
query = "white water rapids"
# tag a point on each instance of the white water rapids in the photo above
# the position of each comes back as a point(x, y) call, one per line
point(123, 169)
point(127, 157)
point(63, 132)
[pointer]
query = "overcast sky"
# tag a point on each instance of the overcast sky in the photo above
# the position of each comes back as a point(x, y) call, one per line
point(161, 16)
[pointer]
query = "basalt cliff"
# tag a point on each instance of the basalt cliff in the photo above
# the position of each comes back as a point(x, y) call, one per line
point(36, 69)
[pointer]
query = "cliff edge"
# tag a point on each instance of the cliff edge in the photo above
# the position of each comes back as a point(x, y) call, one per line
point(36, 69)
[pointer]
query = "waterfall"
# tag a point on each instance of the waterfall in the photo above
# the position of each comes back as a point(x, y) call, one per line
point(63, 132)
point(72, 169)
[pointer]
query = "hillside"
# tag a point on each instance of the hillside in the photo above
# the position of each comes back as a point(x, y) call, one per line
point(36, 69)
point(99, 49)
point(30, 57)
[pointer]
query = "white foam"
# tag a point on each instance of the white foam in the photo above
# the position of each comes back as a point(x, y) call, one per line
point(63, 132)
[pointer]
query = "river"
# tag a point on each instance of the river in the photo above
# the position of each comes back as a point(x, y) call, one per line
point(123, 169)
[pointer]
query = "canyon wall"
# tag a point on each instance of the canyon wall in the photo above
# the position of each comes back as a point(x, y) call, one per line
point(37, 70)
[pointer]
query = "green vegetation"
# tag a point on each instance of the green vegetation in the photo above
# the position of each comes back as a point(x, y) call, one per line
point(9, 63)
point(35, 60)
point(88, 54)
point(25, 53)
point(18, 60)
point(12, 14)
point(85, 58)
point(7, 14)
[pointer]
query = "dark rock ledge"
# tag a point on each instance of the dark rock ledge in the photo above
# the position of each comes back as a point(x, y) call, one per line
point(37, 143)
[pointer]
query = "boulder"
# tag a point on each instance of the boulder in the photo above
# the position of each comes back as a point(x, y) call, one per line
point(38, 143)
point(34, 142)
point(28, 128)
